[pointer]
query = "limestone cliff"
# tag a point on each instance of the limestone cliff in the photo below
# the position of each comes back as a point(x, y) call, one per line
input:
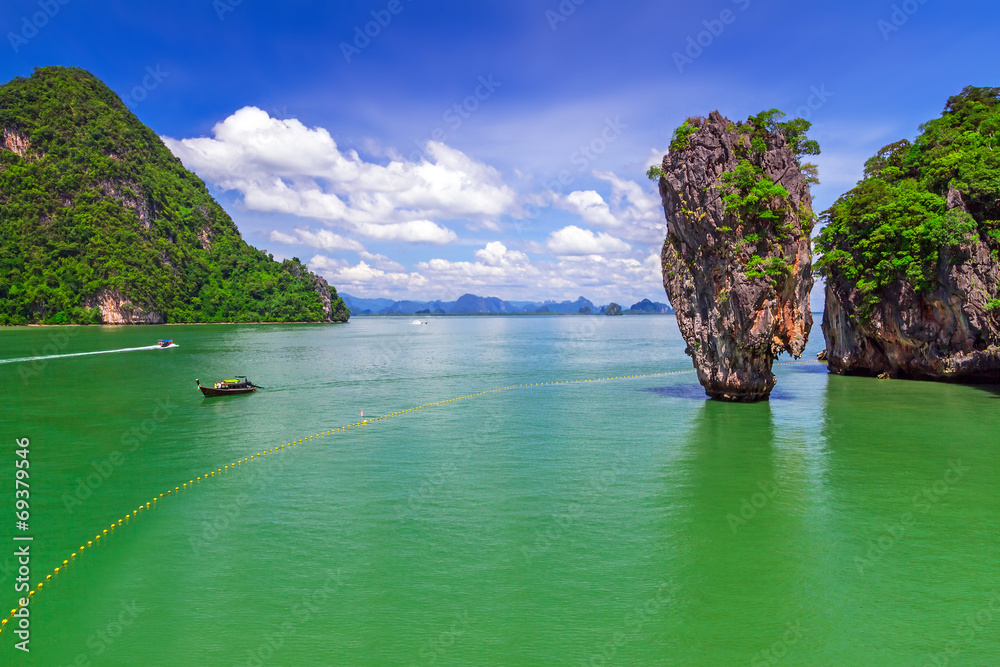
point(737, 260)
point(116, 308)
point(911, 255)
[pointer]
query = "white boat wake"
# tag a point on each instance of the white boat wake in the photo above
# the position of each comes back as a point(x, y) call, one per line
point(84, 354)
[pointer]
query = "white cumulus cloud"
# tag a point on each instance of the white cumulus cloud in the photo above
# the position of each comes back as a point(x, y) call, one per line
point(632, 213)
point(364, 278)
point(282, 166)
point(323, 239)
point(573, 240)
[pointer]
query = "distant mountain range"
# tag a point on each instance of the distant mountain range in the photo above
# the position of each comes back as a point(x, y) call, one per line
point(470, 304)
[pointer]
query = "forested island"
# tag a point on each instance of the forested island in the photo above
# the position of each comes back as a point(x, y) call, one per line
point(911, 255)
point(100, 223)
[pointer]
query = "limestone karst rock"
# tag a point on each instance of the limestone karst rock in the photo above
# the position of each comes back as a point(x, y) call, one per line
point(911, 254)
point(737, 263)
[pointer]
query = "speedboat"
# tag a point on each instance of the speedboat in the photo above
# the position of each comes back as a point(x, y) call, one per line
point(164, 343)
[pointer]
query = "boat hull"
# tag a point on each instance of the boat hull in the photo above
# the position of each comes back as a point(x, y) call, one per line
point(211, 391)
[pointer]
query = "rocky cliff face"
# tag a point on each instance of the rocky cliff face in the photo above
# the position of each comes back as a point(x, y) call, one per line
point(334, 308)
point(15, 141)
point(737, 260)
point(116, 308)
point(911, 254)
point(950, 333)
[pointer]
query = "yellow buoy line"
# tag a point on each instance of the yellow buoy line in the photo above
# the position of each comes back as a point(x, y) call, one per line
point(219, 471)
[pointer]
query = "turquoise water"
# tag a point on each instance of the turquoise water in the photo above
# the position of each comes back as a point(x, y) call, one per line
point(849, 521)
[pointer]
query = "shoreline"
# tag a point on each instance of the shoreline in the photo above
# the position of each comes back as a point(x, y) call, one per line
point(395, 315)
point(162, 324)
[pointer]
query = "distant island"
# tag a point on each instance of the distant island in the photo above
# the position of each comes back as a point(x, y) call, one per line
point(101, 224)
point(471, 304)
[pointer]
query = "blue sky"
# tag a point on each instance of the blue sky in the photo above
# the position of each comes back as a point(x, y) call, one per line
point(350, 152)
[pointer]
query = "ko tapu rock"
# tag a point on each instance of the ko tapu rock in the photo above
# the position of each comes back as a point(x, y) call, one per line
point(737, 263)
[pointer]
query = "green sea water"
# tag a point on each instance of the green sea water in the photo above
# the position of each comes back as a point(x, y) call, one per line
point(848, 521)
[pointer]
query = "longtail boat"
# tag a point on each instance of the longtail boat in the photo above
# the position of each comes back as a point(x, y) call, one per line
point(238, 385)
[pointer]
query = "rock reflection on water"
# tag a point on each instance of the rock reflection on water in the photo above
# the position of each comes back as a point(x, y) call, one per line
point(695, 392)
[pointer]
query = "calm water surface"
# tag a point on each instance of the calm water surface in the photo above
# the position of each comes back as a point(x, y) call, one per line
point(848, 521)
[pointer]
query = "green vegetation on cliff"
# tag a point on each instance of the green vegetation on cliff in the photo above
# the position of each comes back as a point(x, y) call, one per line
point(92, 202)
point(896, 223)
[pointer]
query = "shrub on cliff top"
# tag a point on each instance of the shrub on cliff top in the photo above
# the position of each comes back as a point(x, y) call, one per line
point(895, 224)
point(680, 141)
